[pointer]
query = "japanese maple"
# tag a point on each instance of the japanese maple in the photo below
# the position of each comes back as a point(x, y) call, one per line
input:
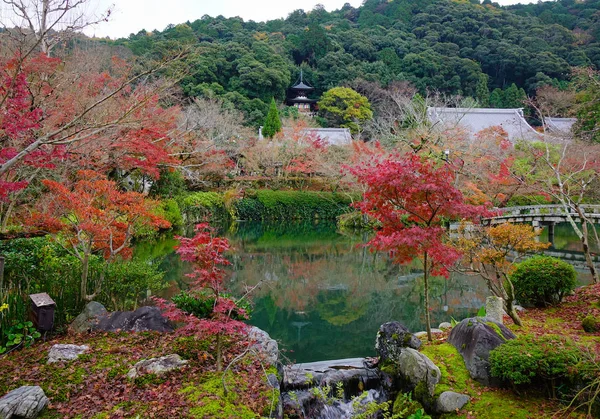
point(492, 251)
point(93, 215)
point(413, 198)
point(206, 253)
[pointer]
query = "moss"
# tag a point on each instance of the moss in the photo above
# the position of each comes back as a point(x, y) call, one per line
point(486, 403)
point(496, 329)
point(149, 379)
point(210, 400)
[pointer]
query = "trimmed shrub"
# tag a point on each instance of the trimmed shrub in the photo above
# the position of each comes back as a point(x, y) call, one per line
point(543, 280)
point(590, 324)
point(169, 185)
point(267, 204)
point(548, 359)
point(200, 206)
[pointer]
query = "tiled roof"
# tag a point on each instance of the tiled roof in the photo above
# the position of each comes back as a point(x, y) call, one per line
point(477, 119)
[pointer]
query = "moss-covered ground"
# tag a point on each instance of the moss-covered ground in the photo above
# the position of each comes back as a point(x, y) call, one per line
point(493, 403)
point(96, 386)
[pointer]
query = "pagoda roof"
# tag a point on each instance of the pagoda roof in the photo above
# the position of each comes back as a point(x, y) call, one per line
point(302, 86)
point(302, 100)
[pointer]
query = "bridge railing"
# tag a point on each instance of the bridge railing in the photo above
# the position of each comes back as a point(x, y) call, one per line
point(545, 210)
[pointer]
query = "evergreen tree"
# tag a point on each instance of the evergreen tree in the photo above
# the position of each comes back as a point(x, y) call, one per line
point(272, 123)
point(497, 98)
point(514, 97)
point(481, 90)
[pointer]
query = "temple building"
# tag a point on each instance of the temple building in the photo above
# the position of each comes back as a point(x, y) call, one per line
point(299, 96)
point(478, 119)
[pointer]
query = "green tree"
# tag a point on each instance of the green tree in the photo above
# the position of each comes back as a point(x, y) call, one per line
point(496, 98)
point(482, 92)
point(344, 107)
point(514, 97)
point(272, 122)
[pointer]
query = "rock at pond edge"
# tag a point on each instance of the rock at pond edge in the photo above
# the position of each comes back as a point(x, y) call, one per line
point(392, 337)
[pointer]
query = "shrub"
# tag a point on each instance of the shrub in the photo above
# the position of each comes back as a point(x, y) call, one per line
point(590, 324)
point(523, 200)
point(201, 305)
point(548, 359)
point(543, 280)
point(199, 206)
point(267, 204)
point(170, 184)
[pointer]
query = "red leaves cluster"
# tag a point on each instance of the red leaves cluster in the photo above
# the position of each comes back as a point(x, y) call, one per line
point(206, 253)
point(412, 198)
point(94, 214)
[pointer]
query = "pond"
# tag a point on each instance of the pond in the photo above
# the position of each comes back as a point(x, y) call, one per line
point(323, 296)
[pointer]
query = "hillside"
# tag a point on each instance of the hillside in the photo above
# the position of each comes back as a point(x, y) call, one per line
point(454, 47)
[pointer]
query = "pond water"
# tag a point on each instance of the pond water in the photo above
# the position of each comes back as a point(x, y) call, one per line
point(322, 295)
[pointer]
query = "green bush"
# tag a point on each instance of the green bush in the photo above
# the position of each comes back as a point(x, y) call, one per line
point(126, 283)
point(170, 184)
point(524, 200)
point(548, 359)
point(201, 306)
point(200, 206)
point(543, 280)
point(287, 205)
point(590, 324)
point(169, 210)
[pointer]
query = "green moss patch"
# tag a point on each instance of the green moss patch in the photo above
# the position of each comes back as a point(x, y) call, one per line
point(486, 403)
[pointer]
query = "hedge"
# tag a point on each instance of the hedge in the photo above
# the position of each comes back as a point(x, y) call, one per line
point(282, 205)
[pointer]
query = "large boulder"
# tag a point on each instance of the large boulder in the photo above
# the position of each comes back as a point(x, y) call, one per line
point(156, 366)
point(25, 403)
point(264, 344)
point(89, 317)
point(141, 320)
point(474, 338)
point(392, 338)
point(65, 352)
point(449, 402)
point(418, 373)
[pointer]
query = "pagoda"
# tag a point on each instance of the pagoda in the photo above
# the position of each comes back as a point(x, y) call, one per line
point(299, 96)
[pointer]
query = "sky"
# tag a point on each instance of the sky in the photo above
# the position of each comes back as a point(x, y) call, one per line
point(131, 16)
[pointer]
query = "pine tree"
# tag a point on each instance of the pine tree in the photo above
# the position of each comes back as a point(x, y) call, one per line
point(272, 123)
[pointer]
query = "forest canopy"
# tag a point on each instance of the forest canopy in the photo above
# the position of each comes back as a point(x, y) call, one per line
point(453, 47)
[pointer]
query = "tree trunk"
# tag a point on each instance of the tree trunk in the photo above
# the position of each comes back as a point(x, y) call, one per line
point(426, 284)
point(85, 262)
point(512, 312)
point(586, 249)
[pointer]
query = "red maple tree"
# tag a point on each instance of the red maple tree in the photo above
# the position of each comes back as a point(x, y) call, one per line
point(413, 198)
point(93, 215)
point(206, 253)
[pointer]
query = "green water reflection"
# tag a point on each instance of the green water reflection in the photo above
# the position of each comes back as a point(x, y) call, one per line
point(320, 294)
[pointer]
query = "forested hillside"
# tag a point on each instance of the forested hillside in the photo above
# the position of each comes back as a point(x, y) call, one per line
point(454, 47)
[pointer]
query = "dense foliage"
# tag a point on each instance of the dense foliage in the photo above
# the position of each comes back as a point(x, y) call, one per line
point(549, 360)
point(543, 280)
point(287, 205)
point(455, 47)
